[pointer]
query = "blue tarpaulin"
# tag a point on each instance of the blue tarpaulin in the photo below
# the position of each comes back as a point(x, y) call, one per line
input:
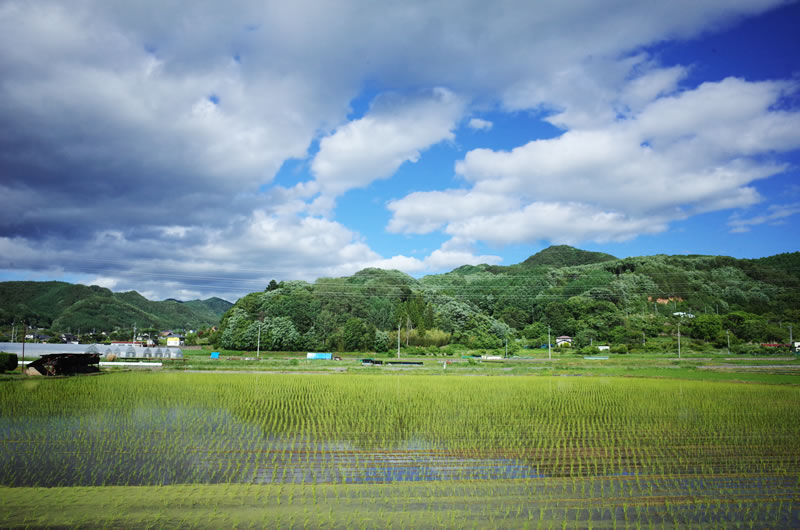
point(316, 355)
point(215, 355)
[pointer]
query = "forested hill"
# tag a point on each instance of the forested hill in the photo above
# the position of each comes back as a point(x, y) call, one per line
point(61, 306)
point(566, 256)
point(591, 297)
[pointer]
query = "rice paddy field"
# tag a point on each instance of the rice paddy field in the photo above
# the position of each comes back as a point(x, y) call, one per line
point(274, 450)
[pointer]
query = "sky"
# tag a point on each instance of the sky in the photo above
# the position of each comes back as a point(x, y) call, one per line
point(189, 150)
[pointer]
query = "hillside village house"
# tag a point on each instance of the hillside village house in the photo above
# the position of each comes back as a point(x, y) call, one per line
point(564, 340)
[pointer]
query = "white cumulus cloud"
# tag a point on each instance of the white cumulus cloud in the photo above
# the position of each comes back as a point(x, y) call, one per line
point(693, 151)
point(479, 124)
point(394, 131)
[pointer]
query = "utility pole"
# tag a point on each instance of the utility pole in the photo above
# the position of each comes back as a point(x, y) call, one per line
point(549, 352)
point(133, 339)
point(398, 339)
point(790, 335)
point(643, 339)
point(506, 346)
point(679, 339)
point(258, 345)
point(728, 335)
point(24, 331)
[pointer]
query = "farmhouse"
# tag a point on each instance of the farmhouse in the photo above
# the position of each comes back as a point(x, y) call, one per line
point(564, 340)
point(37, 337)
point(175, 340)
point(69, 338)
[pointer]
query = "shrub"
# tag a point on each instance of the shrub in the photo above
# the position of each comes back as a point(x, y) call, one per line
point(754, 349)
point(429, 338)
point(619, 348)
point(653, 347)
point(382, 341)
point(8, 362)
point(415, 350)
point(700, 346)
point(453, 349)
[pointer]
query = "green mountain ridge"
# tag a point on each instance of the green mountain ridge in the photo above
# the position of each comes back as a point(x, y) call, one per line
point(592, 297)
point(62, 306)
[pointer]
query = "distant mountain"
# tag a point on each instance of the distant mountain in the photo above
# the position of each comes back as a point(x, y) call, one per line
point(62, 305)
point(212, 307)
point(215, 305)
point(566, 256)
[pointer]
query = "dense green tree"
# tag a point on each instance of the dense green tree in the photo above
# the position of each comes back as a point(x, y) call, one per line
point(453, 316)
point(380, 313)
point(753, 330)
point(382, 341)
point(283, 335)
point(514, 317)
point(559, 317)
point(706, 327)
point(355, 335)
point(325, 324)
point(535, 331)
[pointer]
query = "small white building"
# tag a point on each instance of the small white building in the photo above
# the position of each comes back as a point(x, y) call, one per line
point(604, 348)
point(563, 340)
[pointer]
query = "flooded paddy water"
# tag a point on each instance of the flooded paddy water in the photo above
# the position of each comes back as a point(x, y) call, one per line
point(583, 449)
